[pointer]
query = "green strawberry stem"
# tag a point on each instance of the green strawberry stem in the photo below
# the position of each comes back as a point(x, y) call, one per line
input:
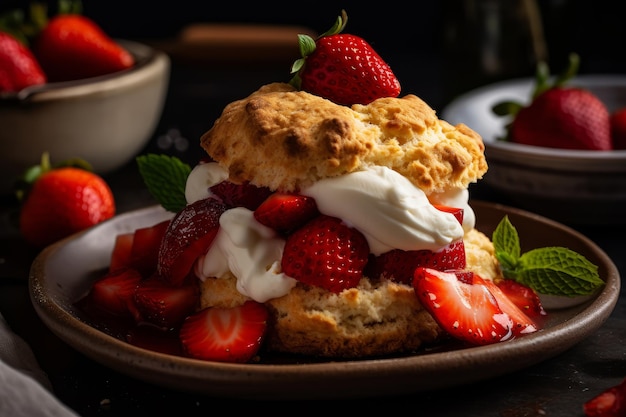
point(32, 174)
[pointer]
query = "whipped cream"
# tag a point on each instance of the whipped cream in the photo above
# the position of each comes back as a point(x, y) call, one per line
point(458, 198)
point(252, 252)
point(201, 178)
point(386, 207)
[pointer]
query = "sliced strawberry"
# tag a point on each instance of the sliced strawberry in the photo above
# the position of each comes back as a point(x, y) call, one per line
point(240, 195)
point(286, 212)
point(145, 249)
point(522, 324)
point(609, 403)
point(468, 312)
point(121, 254)
point(188, 236)
point(327, 253)
point(225, 334)
point(163, 305)
point(114, 293)
point(525, 298)
point(400, 265)
point(456, 211)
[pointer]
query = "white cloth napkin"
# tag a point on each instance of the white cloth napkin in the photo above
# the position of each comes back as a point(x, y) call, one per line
point(25, 390)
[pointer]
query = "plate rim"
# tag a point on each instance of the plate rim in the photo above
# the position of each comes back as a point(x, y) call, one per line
point(288, 381)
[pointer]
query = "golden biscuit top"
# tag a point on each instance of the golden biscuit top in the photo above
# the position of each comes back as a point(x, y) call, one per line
point(287, 139)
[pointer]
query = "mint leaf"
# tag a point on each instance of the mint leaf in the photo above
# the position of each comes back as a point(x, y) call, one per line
point(550, 270)
point(506, 240)
point(166, 177)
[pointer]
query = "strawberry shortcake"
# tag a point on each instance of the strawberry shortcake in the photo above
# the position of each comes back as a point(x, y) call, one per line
point(357, 198)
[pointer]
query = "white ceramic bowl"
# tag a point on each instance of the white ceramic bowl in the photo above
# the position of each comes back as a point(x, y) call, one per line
point(105, 120)
point(572, 186)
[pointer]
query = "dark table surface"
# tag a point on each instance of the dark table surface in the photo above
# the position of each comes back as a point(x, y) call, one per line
point(555, 387)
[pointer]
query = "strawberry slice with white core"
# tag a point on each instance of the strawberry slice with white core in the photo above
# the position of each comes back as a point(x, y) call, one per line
point(468, 312)
point(230, 334)
point(522, 324)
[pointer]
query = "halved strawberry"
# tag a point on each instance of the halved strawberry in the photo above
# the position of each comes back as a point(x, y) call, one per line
point(399, 265)
point(609, 403)
point(240, 195)
point(326, 253)
point(114, 292)
point(163, 305)
point(286, 212)
point(522, 324)
point(525, 298)
point(120, 256)
point(468, 312)
point(225, 334)
point(145, 249)
point(188, 236)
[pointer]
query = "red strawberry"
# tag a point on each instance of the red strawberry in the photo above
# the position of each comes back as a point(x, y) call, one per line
point(468, 312)
point(343, 68)
point(559, 116)
point(610, 403)
point(18, 66)
point(523, 297)
point(225, 334)
point(240, 195)
point(72, 46)
point(188, 236)
point(286, 212)
point(63, 201)
point(567, 118)
point(400, 265)
point(120, 256)
point(522, 324)
point(456, 211)
point(326, 253)
point(163, 305)
point(145, 248)
point(114, 292)
point(618, 128)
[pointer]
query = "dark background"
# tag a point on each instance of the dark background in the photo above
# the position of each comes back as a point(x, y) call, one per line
point(417, 39)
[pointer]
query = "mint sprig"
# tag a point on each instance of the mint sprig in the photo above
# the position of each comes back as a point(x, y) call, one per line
point(166, 177)
point(552, 270)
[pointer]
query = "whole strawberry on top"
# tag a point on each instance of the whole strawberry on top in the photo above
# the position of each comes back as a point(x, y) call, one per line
point(62, 200)
point(343, 68)
point(559, 115)
point(71, 46)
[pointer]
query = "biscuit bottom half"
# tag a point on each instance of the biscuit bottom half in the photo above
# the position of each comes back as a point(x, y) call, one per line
point(378, 317)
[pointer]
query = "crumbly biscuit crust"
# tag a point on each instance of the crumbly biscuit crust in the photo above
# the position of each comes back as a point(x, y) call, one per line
point(286, 140)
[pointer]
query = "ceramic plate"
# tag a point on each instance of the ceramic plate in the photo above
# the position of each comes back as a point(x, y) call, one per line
point(475, 110)
point(63, 273)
